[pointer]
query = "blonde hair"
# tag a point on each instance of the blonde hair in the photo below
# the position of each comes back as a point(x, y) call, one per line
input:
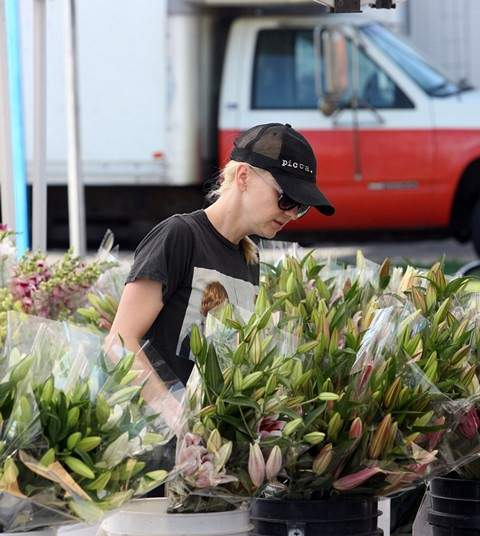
point(224, 182)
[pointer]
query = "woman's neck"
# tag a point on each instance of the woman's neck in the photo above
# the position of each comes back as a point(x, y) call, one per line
point(227, 220)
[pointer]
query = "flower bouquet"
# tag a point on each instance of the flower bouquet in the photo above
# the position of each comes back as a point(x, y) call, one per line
point(77, 438)
point(337, 384)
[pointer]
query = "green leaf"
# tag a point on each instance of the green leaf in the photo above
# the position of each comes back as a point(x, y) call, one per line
point(242, 401)
point(314, 415)
point(455, 285)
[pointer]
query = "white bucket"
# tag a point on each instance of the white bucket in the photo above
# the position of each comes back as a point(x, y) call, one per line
point(79, 529)
point(148, 517)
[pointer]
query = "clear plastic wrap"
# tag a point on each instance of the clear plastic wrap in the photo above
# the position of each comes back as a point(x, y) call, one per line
point(80, 439)
point(343, 381)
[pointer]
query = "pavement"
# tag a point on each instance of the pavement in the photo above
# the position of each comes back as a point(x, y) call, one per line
point(424, 252)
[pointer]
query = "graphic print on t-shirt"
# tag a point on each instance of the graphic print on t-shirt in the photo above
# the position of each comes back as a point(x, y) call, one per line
point(210, 289)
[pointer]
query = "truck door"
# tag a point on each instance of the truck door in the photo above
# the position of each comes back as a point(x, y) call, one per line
point(394, 140)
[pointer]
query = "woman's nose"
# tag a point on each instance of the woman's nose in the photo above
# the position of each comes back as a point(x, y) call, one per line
point(292, 213)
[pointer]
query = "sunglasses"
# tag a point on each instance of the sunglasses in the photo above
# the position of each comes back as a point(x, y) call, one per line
point(284, 202)
point(287, 203)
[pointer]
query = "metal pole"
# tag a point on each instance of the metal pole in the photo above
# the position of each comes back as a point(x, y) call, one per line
point(19, 165)
point(6, 165)
point(39, 179)
point(76, 198)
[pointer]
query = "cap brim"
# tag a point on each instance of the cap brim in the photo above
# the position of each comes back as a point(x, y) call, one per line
point(304, 192)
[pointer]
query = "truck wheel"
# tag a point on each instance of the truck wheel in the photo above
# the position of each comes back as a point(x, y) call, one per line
point(476, 228)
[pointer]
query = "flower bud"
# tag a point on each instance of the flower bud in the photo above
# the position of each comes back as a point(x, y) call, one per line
point(334, 426)
point(240, 353)
point(222, 456)
point(228, 376)
point(214, 441)
point(198, 428)
point(251, 379)
point(255, 351)
point(469, 424)
point(392, 436)
point(274, 463)
point(384, 273)
point(355, 479)
point(380, 437)
point(10, 472)
point(418, 299)
point(261, 303)
point(297, 372)
point(272, 405)
point(256, 465)
point(322, 459)
point(391, 396)
point(271, 384)
point(431, 296)
point(292, 426)
point(237, 380)
point(257, 395)
point(356, 429)
point(208, 411)
point(314, 438)
point(196, 343)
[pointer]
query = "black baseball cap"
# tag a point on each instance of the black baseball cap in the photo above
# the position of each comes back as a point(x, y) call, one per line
point(288, 156)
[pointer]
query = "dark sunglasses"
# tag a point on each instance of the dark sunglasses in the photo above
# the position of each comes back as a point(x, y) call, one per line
point(287, 203)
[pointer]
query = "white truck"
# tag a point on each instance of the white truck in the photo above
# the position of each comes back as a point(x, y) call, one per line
point(165, 88)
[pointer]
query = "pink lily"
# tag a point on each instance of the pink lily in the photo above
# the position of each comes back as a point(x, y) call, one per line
point(470, 423)
point(367, 372)
point(435, 437)
point(270, 426)
point(256, 465)
point(355, 479)
point(274, 463)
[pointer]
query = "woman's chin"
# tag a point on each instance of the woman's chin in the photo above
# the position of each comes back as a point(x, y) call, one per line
point(268, 234)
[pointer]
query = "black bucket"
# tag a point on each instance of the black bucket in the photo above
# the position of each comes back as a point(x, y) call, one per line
point(339, 516)
point(454, 507)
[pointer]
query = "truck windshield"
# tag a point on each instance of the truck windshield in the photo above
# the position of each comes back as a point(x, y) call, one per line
point(411, 62)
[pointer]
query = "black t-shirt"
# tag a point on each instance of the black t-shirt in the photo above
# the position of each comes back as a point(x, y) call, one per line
point(199, 269)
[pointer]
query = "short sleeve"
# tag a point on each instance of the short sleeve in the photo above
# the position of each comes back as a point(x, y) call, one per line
point(164, 255)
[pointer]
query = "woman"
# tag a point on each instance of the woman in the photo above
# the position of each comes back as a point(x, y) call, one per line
point(269, 181)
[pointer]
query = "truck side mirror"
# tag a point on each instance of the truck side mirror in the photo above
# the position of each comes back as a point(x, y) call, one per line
point(333, 77)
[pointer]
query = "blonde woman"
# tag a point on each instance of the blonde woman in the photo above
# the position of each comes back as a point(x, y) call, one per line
point(269, 181)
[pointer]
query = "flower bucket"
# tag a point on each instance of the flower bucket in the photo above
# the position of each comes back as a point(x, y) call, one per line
point(455, 507)
point(148, 517)
point(79, 529)
point(341, 516)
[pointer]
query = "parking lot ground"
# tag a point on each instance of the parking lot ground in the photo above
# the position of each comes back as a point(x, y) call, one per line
point(418, 253)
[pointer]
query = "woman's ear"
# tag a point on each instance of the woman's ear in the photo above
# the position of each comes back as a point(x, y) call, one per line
point(242, 177)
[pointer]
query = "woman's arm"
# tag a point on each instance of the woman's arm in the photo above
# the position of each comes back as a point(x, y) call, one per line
point(139, 306)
